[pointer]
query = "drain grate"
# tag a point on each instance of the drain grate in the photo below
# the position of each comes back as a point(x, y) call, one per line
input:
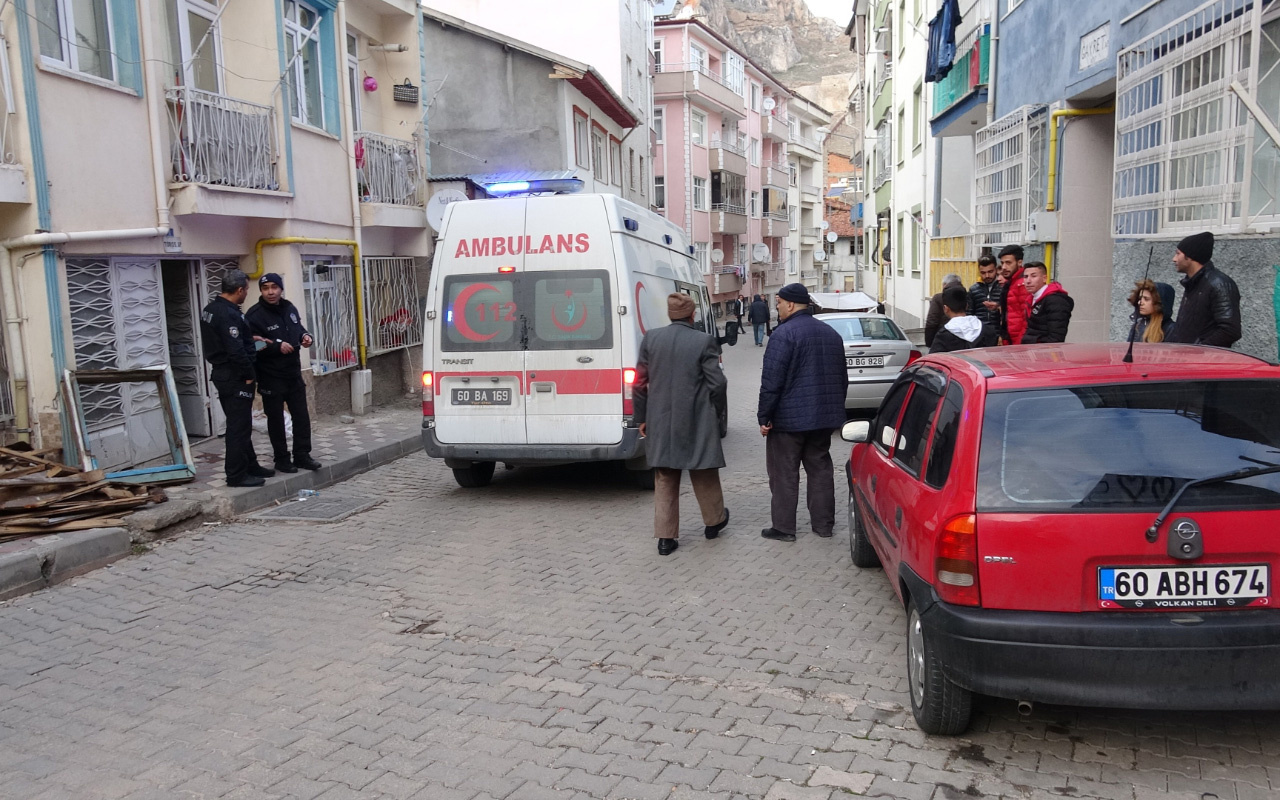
point(325, 508)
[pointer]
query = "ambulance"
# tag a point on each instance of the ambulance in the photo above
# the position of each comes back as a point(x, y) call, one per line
point(535, 312)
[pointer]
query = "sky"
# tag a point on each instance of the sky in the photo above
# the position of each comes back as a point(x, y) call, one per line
point(838, 10)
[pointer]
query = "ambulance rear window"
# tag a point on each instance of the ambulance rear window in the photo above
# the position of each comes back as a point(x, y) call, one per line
point(481, 313)
point(571, 310)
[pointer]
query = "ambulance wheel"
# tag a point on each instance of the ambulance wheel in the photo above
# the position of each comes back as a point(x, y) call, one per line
point(477, 475)
point(643, 479)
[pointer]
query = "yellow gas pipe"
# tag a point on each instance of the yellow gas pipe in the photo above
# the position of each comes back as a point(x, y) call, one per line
point(357, 269)
point(1051, 202)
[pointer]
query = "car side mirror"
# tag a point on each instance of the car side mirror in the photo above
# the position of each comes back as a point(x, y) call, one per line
point(730, 334)
point(856, 431)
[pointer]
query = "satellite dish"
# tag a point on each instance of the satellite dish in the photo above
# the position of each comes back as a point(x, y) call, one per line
point(760, 252)
point(824, 224)
point(717, 256)
point(819, 255)
point(769, 105)
point(832, 236)
point(438, 203)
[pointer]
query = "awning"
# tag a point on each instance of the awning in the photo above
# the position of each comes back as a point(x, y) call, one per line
point(844, 301)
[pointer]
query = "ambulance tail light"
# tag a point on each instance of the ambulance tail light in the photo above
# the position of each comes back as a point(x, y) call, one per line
point(956, 562)
point(628, 381)
point(428, 394)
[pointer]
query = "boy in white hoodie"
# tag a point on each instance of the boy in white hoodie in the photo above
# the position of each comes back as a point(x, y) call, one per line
point(961, 332)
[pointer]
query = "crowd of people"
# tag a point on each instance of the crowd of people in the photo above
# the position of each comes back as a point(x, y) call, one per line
point(1015, 303)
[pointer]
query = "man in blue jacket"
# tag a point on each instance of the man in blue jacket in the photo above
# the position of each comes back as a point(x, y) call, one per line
point(802, 394)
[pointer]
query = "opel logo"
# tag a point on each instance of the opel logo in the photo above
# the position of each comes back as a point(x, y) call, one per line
point(1186, 529)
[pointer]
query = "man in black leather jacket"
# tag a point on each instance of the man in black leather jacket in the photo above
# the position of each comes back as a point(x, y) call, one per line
point(1210, 309)
point(984, 296)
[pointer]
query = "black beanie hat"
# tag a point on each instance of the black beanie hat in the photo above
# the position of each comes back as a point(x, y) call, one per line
point(1198, 247)
point(271, 277)
point(795, 293)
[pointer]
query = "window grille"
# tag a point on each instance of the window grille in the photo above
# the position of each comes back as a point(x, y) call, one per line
point(392, 305)
point(329, 295)
point(1188, 155)
point(1009, 169)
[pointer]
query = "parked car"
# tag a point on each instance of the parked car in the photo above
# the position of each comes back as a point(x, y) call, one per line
point(1065, 527)
point(875, 351)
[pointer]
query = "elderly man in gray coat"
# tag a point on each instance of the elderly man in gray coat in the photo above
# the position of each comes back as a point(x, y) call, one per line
point(679, 398)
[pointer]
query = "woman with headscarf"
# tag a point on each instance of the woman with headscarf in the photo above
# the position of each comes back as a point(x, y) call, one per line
point(1153, 304)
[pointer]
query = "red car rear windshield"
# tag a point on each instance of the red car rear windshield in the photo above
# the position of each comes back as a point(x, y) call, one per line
point(1129, 447)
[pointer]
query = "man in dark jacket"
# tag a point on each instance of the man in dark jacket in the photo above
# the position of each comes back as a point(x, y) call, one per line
point(1210, 310)
point(278, 326)
point(1051, 307)
point(802, 394)
point(228, 346)
point(934, 319)
point(962, 330)
point(679, 397)
point(984, 296)
point(758, 316)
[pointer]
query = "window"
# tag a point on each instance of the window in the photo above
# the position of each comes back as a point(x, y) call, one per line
point(917, 118)
point(793, 174)
point(631, 156)
point(755, 152)
point(697, 58)
point(659, 191)
point(581, 139)
point(191, 24)
point(902, 135)
point(658, 47)
point(354, 84)
point(615, 161)
point(900, 240)
point(944, 438)
point(702, 255)
point(734, 72)
point(793, 218)
point(698, 127)
point(884, 430)
point(302, 37)
point(571, 309)
point(631, 84)
point(728, 192)
point(76, 34)
point(793, 264)
point(699, 194)
point(755, 96)
point(913, 430)
point(599, 156)
point(755, 205)
point(659, 124)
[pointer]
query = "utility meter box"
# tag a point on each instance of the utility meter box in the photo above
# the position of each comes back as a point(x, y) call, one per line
point(1042, 226)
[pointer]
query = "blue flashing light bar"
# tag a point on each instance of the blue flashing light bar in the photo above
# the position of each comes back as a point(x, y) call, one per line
point(510, 187)
point(551, 186)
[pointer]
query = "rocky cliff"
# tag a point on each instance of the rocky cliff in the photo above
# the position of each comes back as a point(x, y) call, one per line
point(782, 36)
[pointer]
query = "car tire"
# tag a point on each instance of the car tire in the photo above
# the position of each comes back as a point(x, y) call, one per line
point(475, 476)
point(860, 549)
point(940, 707)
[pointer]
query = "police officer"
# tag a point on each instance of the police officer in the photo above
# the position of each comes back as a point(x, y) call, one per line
point(228, 345)
point(275, 322)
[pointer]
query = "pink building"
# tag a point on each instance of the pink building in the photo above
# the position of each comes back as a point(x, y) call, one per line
point(720, 157)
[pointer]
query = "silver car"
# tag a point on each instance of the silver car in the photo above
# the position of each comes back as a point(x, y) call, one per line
point(875, 351)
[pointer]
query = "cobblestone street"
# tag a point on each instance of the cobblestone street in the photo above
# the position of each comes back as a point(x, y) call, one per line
point(526, 641)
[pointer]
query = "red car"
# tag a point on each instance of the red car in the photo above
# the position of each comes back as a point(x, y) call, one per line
point(1065, 527)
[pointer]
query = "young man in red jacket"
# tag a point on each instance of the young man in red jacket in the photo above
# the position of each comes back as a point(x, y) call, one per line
point(1015, 304)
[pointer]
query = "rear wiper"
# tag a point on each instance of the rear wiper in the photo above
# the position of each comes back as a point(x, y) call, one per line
point(1248, 472)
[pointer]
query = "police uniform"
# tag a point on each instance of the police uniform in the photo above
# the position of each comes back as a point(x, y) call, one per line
point(228, 345)
point(280, 378)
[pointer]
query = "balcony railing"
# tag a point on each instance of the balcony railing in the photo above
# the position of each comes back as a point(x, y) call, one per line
point(781, 216)
point(391, 302)
point(886, 72)
point(731, 208)
point(807, 141)
point(387, 170)
point(693, 66)
point(732, 147)
point(968, 73)
point(222, 141)
point(811, 233)
point(807, 188)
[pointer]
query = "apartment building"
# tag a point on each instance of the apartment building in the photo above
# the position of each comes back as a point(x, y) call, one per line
point(806, 167)
point(721, 167)
point(504, 110)
point(849, 267)
point(613, 36)
point(150, 146)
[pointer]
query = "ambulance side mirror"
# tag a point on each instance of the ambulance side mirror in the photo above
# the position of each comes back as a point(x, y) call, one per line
point(730, 334)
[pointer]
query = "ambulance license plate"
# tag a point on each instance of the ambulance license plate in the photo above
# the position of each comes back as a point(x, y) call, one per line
point(863, 361)
point(1216, 586)
point(481, 397)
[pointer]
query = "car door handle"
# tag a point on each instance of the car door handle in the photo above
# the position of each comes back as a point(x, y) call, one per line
point(544, 386)
point(874, 478)
point(897, 518)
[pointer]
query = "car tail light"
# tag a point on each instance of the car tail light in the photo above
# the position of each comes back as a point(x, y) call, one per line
point(914, 357)
point(628, 381)
point(428, 393)
point(956, 562)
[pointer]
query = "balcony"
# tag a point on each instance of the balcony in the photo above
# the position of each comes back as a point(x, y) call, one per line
point(810, 193)
point(882, 103)
point(775, 224)
point(774, 173)
point(728, 218)
point(776, 274)
point(703, 86)
point(776, 126)
point(806, 147)
point(728, 157)
point(810, 236)
point(724, 280)
point(389, 181)
point(223, 155)
point(964, 85)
